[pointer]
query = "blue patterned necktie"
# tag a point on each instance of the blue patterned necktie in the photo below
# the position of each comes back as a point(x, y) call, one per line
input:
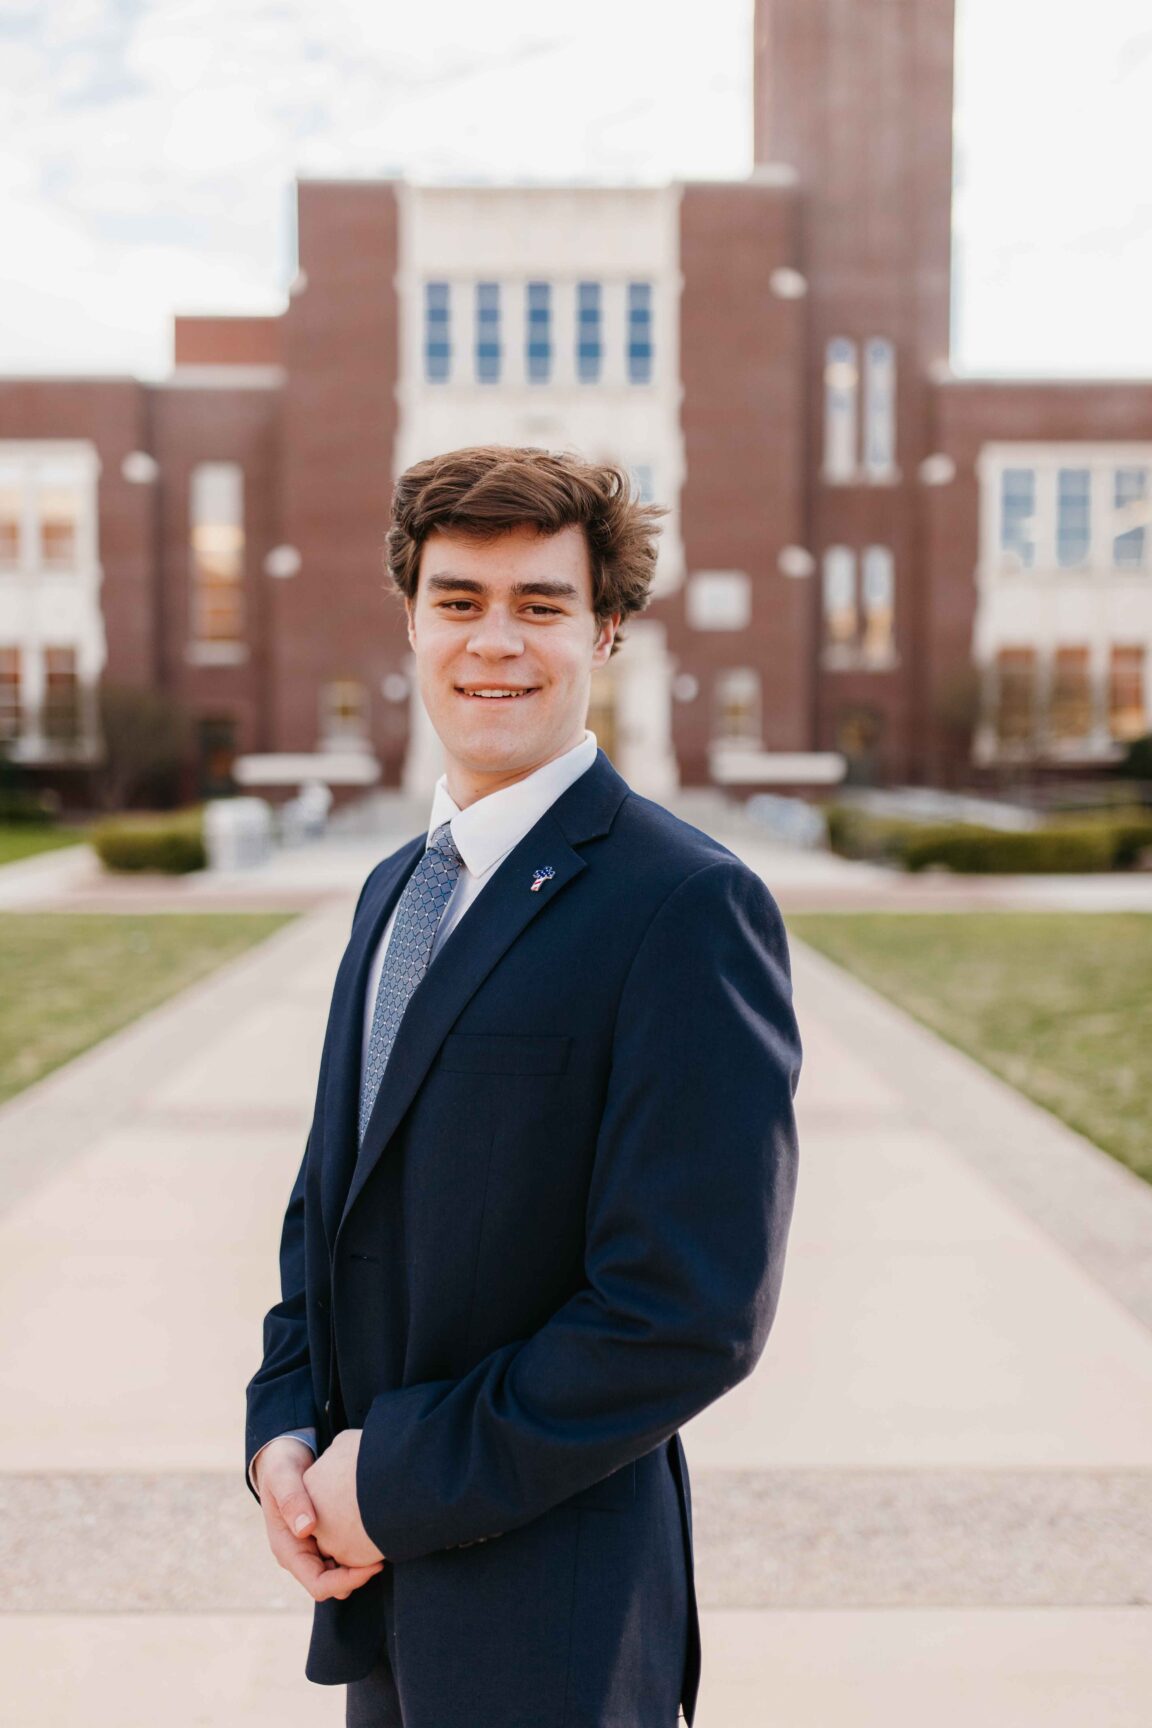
point(418, 914)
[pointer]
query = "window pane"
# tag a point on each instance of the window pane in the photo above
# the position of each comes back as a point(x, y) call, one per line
point(840, 620)
point(880, 406)
point(343, 711)
point(1131, 501)
point(217, 550)
point(1073, 516)
point(59, 512)
point(840, 400)
point(736, 717)
point(437, 332)
point(1127, 710)
point(11, 510)
point(878, 595)
point(9, 693)
point(60, 719)
point(1016, 681)
point(538, 323)
point(488, 332)
point(1070, 703)
point(588, 332)
point(1018, 516)
point(639, 332)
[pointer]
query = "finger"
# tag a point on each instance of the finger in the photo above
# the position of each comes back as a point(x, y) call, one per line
point(332, 1580)
point(296, 1509)
point(341, 1581)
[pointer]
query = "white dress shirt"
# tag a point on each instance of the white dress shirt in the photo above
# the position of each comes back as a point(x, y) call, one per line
point(484, 833)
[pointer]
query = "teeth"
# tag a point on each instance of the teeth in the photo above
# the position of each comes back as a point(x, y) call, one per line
point(496, 695)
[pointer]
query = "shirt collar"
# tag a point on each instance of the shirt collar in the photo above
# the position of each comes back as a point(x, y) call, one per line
point(490, 827)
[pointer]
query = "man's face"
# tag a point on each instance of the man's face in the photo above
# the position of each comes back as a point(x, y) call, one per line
point(510, 614)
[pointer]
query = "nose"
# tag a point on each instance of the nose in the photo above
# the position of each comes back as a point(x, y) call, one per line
point(496, 635)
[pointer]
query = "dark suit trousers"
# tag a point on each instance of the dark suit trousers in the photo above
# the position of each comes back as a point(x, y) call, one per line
point(374, 1702)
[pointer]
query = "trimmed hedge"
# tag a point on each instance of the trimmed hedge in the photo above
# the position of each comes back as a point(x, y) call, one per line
point(1088, 840)
point(857, 833)
point(174, 844)
point(971, 850)
point(18, 805)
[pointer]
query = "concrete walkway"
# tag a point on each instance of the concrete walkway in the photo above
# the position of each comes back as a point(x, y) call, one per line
point(931, 1503)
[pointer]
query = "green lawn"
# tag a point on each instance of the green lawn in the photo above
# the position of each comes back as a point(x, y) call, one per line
point(1059, 1004)
point(71, 978)
point(23, 839)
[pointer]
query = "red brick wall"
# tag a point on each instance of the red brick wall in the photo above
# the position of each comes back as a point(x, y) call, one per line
point(225, 341)
point(743, 422)
point(335, 618)
point(194, 425)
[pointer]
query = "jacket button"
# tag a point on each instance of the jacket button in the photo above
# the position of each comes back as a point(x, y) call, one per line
point(327, 1406)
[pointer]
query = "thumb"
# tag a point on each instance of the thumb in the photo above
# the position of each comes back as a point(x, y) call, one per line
point(297, 1511)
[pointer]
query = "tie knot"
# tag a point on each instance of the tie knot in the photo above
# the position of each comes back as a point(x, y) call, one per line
point(443, 843)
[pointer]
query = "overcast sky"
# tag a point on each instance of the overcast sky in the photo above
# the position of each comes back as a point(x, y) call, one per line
point(147, 150)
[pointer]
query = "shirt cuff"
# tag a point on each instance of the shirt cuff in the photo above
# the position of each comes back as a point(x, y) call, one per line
point(308, 1435)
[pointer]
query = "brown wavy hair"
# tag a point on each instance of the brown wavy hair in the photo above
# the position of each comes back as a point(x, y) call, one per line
point(485, 489)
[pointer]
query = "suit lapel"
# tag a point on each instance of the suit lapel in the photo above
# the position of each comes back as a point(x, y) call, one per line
point(342, 1087)
point(505, 908)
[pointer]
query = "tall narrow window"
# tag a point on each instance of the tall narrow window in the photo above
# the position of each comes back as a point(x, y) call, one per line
point(736, 712)
point(343, 713)
point(1016, 695)
point(1133, 512)
point(437, 331)
point(1127, 708)
point(488, 332)
point(217, 512)
point(9, 694)
point(539, 323)
point(1018, 518)
point(879, 407)
point(840, 616)
point(1070, 699)
point(1073, 516)
point(60, 719)
point(11, 518)
point(878, 593)
point(58, 511)
point(589, 339)
point(841, 391)
point(639, 332)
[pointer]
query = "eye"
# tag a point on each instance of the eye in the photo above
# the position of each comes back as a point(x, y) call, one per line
point(447, 605)
point(552, 611)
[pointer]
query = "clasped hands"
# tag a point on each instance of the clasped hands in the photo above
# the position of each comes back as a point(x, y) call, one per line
point(312, 1515)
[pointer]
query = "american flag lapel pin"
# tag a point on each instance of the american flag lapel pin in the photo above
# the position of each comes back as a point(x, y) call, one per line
point(544, 874)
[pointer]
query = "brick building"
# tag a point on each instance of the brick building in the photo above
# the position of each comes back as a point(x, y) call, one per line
point(870, 568)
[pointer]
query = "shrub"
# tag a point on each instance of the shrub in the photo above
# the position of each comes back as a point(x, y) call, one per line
point(1131, 835)
point(33, 809)
point(971, 849)
point(174, 844)
point(857, 833)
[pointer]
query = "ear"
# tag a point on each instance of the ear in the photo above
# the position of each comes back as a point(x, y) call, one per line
point(604, 638)
point(410, 611)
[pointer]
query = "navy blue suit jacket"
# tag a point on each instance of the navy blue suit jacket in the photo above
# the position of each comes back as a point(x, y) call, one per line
point(564, 1236)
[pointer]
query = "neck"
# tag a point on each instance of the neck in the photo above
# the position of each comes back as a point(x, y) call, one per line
point(467, 785)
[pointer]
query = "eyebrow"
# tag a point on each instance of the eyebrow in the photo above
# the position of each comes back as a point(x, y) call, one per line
point(444, 579)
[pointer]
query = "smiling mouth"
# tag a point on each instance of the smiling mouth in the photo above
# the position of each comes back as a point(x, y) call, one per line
point(496, 695)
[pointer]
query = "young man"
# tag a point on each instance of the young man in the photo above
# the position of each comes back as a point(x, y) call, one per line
point(542, 1211)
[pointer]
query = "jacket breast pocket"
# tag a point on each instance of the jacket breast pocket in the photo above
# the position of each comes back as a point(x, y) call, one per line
point(503, 1053)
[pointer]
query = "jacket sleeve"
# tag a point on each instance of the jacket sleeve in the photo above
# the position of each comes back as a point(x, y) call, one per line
point(279, 1395)
point(688, 1211)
